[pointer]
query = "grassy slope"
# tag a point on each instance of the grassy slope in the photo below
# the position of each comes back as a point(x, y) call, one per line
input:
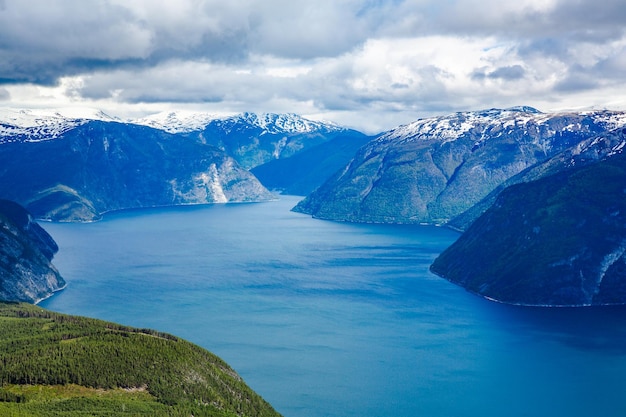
point(58, 365)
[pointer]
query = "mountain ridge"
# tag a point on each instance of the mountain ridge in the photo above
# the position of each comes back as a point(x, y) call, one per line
point(434, 169)
point(103, 166)
point(556, 237)
point(46, 124)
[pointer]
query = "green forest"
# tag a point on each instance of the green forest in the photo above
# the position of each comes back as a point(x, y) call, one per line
point(54, 364)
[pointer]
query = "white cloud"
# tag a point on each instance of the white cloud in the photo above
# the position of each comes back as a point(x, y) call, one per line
point(370, 63)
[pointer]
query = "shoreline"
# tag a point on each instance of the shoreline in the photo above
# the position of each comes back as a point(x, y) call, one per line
point(51, 294)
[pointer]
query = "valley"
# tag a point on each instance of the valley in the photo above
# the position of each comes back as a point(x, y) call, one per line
point(149, 236)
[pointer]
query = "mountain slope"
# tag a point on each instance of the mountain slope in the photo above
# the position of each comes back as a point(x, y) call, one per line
point(303, 172)
point(255, 139)
point(586, 152)
point(56, 364)
point(26, 251)
point(99, 166)
point(558, 240)
point(432, 170)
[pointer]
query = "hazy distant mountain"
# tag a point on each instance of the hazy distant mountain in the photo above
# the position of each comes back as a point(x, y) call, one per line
point(303, 172)
point(434, 169)
point(77, 169)
point(255, 139)
point(178, 121)
point(26, 251)
point(559, 239)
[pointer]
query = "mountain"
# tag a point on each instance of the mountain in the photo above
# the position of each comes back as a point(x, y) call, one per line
point(22, 125)
point(77, 169)
point(178, 121)
point(303, 172)
point(255, 139)
point(558, 239)
point(434, 169)
point(26, 251)
point(74, 165)
point(587, 151)
point(61, 365)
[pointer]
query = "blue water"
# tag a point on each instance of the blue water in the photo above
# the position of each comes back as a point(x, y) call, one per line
point(333, 319)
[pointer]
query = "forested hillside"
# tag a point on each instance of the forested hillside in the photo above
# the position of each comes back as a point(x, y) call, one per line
point(58, 365)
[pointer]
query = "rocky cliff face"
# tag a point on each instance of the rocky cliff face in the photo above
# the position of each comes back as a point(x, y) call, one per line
point(98, 166)
point(26, 251)
point(558, 240)
point(434, 169)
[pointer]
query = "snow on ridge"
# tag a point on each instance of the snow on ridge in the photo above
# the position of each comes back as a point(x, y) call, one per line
point(179, 121)
point(33, 125)
point(285, 122)
point(189, 121)
point(45, 124)
point(453, 126)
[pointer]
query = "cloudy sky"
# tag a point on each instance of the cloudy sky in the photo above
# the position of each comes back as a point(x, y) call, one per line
point(367, 64)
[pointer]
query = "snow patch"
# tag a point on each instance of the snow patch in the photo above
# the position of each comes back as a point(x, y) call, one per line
point(179, 121)
point(482, 123)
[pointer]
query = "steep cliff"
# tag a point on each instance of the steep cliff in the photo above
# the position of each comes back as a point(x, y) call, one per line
point(26, 251)
point(559, 240)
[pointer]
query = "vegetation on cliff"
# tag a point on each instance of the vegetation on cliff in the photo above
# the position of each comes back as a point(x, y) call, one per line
point(559, 240)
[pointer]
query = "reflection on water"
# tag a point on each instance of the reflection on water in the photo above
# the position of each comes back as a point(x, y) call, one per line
point(332, 319)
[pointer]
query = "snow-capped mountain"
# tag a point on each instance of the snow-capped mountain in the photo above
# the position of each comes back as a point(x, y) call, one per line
point(179, 121)
point(99, 166)
point(34, 125)
point(434, 169)
point(255, 139)
point(280, 123)
point(84, 163)
point(500, 121)
point(45, 124)
point(189, 121)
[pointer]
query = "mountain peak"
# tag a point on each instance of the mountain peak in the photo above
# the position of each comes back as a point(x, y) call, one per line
point(33, 125)
point(524, 109)
point(283, 122)
point(179, 121)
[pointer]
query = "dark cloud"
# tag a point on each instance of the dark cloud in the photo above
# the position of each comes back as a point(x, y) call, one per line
point(42, 40)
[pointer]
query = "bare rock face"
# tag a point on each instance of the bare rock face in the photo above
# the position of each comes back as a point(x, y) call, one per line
point(26, 251)
point(432, 170)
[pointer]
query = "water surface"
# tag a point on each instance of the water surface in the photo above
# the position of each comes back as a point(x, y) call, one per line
point(334, 319)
